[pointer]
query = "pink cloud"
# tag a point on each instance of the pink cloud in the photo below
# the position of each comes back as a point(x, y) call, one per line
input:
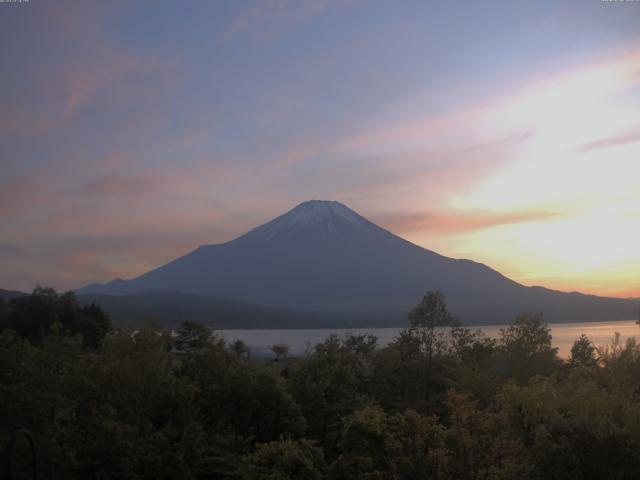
point(94, 68)
point(23, 194)
point(623, 139)
point(275, 16)
point(125, 227)
point(78, 82)
point(433, 174)
point(84, 81)
point(294, 155)
point(115, 185)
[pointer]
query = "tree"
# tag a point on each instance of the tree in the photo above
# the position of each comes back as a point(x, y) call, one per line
point(476, 443)
point(360, 352)
point(285, 460)
point(363, 345)
point(193, 337)
point(583, 352)
point(280, 350)
point(471, 367)
point(45, 312)
point(572, 427)
point(252, 400)
point(526, 347)
point(4, 314)
point(240, 348)
point(417, 449)
point(326, 384)
point(364, 442)
point(398, 375)
point(94, 326)
point(33, 317)
point(425, 317)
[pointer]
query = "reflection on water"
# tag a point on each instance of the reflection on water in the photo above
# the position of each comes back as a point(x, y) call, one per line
point(564, 334)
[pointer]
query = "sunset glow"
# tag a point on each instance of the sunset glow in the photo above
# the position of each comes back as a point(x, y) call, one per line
point(149, 138)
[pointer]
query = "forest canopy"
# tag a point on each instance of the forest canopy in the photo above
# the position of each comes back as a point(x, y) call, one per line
point(441, 401)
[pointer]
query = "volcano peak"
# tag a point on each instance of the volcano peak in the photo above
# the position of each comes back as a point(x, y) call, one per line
point(322, 256)
point(323, 218)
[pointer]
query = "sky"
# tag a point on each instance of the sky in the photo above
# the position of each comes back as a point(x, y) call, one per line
point(507, 132)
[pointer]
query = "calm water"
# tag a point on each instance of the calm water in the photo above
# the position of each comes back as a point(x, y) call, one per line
point(564, 334)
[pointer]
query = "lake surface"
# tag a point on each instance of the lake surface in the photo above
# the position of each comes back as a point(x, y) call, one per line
point(564, 334)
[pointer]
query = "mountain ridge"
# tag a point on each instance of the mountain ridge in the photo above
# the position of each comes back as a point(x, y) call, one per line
point(323, 256)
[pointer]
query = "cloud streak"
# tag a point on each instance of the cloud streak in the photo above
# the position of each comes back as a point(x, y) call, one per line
point(274, 16)
point(128, 141)
point(623, 139)
point(451, 222)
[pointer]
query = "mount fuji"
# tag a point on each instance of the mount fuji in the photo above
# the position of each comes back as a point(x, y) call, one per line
point(323, 257)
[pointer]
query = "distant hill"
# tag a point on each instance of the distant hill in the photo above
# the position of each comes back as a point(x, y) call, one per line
point(323, 257)
point(164, 308)
point(7, 295)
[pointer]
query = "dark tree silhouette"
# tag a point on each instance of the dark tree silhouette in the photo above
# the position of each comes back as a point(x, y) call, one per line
point(45, 312)
point(425, 317)
point(240, 348)
point(583, 352)
point(280, 350)
point(192, 337)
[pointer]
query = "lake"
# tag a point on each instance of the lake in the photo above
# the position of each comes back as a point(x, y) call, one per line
point(564, 334)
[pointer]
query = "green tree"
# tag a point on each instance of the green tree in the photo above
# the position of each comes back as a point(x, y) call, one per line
point(362, 345)
point(472, 361)
point(527, 349)
point(621, 365)
point(192, 337)
point(477, 446)
point(424, 319)
point(280, 350)
point(398, 376)
point(326, 385)
point(4, 314)
point(571, 427)
point(239, 398)
point(583, 352)
point(418, 448)
point(285, 460)
point(240, 348)
point(254, 402)
point(94, 326)
point(364, 443)
point(33, 317)
point(45, 312)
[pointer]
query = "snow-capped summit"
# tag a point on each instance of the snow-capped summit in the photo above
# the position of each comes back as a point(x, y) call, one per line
point(322, 218)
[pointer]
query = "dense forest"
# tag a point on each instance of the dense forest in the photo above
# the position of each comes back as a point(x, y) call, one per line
point(441, 401)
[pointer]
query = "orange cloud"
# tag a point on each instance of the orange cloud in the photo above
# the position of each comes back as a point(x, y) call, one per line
point(456, 222)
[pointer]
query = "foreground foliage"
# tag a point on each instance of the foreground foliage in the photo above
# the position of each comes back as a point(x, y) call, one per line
point(441, 401)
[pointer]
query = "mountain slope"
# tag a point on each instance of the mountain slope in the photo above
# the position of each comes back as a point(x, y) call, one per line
point(323, 256)
point(171, 308)
point(7, 295)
